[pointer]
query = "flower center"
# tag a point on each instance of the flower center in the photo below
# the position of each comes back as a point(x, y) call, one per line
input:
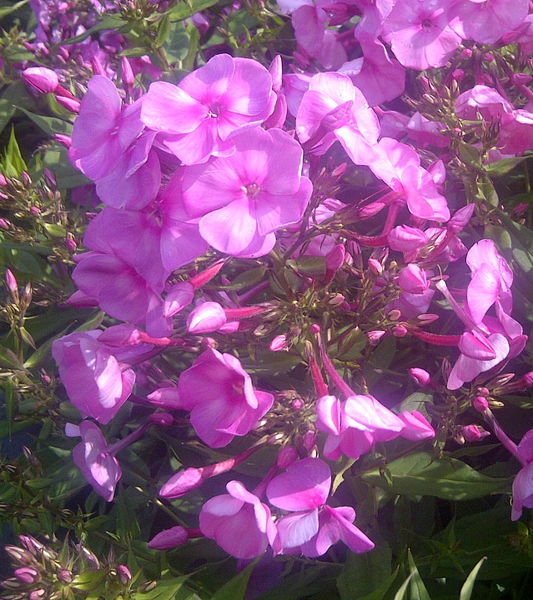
point(251, 190)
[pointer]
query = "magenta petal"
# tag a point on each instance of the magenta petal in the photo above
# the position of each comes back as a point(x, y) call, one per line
point(353, 537)
point(482, 291)
point(366, 413)
point(296, 529)
point(525, 447)
point(305, 485)
point(328, 409)
point(169, 109)
point(475, 345)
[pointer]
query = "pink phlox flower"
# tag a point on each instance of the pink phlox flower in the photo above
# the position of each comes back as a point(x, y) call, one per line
point(374, 13)
point(136, 178)
point(95, 381)
point(485, 21)
point(239, 522)
point(334, 109)
point(353, 426)
point(516, 133)
point(222, 400)
point(241, 200)
point(523, 482)
point(426, 132)
point(103, 129)
point(99, 467)
point(398, 165)
point(196, 118)
point(378, 76)
point(310, 23)
point(121, 291)
point(417, 427)
point(420, 33)
point(484, 100)
point(294, 87)
point(313, 527)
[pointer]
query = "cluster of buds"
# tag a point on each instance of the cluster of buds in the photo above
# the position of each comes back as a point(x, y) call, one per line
point(42, 573)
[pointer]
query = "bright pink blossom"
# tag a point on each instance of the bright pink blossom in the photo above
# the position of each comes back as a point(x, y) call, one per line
point(103, 129)
point(238, 521)
point(92, 456)
point(420, 33)
point(96, 383)
point(334, 109)
point(312, 527)
point(196, 118)
point(523, 482)
point(241, 200)
point(485, 21)
point(222, 400)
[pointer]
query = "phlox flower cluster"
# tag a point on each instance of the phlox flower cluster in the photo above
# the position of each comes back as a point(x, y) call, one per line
point(241, 167)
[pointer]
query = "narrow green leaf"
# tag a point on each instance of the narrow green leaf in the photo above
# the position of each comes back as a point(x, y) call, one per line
point(108, 22)
point(166, 589)
point(13, 162)
point(4, 11)
point(421, 474)
point(502, 167)
point(50, 125)
point(17, 426)
point(183, 10)
point(468, 586)
point(9, 401)
point(400, 594)
point(417, 587)
point(235, 588)
point(365, 573)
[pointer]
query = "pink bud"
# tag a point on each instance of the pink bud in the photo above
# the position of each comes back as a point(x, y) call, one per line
point(42, 79)
point(179, 296)
point(413, 279)
point(309, 440)
point(427, 318)
point(128, 78)
point(399, 331)
point(466, 53)
point(37, 594)
point(374, 266)
point(483, 391)
point(473, 433)
point(286, 456)
point(394, 314)
point(71, 104)
point(205, 318)
point(66, 140)
point(4, 223)
point(124, 574)
point(480, 404)
point(26, 574)
point(527, 379)
point(205, 276)
point(35, 211)
point(420, 376)
point(458, 74)
point(276, 72)
point(11, 281)
point(417, 427)
point(335, 258)
point(70, 243)
point(162, 419)
point(375, 336)
point(169, 538)
point(278, 343)
point(65, 576)
point(297, 404)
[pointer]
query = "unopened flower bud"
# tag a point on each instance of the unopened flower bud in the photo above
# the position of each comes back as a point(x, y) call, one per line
point(124, 574)
point(428, 318)
point(169, 538)
point(286, 456)
point(71, 104)
point(35, 211)
point(309, 440)
point(11, 282)
point(27, 574)
point(337, 300)
point(413, 279)
point(278, 343)
point(458, 74)
point(399, 331)
point(527, 379)
point(162, 419)
point(374, 336)
point(205, 318)
point(70, 243)
point(297, 404)
point(37, 594)
point(65, 576)
point(474, 433)
point(420, 376)
point(374, 266)
point(394, 314)
point(483, 391)
point(41, 79)
point(4, 223)
point(480, 403)
point(466, 53)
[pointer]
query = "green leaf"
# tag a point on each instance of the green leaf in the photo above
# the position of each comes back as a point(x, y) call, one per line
point(502, 167)
point(365, 573)
point(6, 431)
point(418, 590)
point(108, 22)
point(310, 266)
point(166, 589)
point(183, 10)
point(4, 11)
point(400, 594)
point(420, 474)
point(235, 588)
point(247, 279)
point(50, 125)
point(162, 31)
point(468, 586)
point(12, 161)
